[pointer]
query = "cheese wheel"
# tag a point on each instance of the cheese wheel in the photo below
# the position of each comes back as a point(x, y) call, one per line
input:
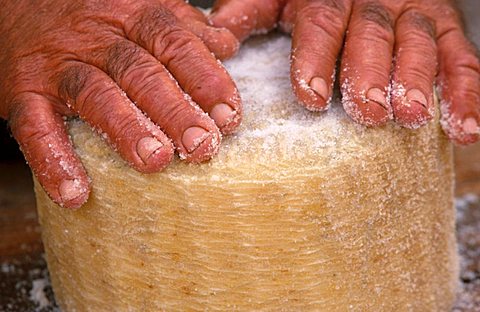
point(299, 211)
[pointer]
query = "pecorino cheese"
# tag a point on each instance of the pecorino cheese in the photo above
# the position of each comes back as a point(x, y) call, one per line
point(299, 211)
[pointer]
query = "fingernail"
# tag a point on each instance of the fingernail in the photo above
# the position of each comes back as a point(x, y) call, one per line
point(416, 95)
point(378, 96)
point(320, 87)
point(193, 137)
point(146, 147)
point(70, 189)
point(470, 126)
point(222, 114)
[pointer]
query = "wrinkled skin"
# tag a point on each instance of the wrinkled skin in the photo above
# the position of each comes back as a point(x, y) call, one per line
point(94, 59)
point(63, 59)
point(391, 56)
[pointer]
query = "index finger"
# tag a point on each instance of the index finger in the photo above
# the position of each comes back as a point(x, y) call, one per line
point(220, 41)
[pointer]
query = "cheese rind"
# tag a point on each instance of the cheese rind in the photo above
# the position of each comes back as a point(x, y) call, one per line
point(299, 211)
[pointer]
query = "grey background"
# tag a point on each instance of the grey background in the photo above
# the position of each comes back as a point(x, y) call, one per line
point(471, 12)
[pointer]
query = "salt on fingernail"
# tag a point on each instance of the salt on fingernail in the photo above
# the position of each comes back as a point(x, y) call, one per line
point(470, 126)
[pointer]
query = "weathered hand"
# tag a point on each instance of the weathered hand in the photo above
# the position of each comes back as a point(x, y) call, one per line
point(389, 61)
point(116, 64)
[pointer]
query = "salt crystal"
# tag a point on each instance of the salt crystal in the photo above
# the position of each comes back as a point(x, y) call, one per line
point(37, 294)
point(7, 268)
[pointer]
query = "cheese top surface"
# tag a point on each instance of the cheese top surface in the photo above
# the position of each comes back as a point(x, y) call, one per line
point(277, 136)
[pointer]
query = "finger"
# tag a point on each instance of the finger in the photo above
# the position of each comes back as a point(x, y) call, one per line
point(199, 74)
point(366, 64)
point(100, 102)
point(246, 17)
point(415, 70)
point(316, 42)
point(220, 41)
point(43, 139)
point(459, 81)
point(153, 89)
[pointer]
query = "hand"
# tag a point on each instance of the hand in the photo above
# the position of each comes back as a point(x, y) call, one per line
point(96, 59)
point(389, 61)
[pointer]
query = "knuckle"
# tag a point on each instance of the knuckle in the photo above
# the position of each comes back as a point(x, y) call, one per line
point(22, 129)
point(468, 63)
point(377, 14)
point(151, 24)
point(159, 15)
point(181, 10)
point(338, 6)
point(82, 87)
point(121, 57)
point(33, 134)
point(17, 113)
point(327, 18)
point(26, 108)
point(469, 68)
point(473, 61)
point(176, 44)
point(73, 80)
point(420, 22)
